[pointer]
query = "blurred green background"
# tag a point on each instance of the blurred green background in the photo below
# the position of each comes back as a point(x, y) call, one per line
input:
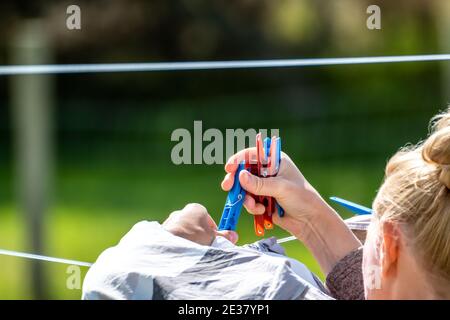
point(110, 164)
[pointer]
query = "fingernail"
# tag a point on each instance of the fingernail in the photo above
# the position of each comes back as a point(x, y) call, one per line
point(246, 176)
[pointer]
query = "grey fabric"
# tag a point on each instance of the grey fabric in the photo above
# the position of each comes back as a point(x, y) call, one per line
point(151, 263)
point(266, 245)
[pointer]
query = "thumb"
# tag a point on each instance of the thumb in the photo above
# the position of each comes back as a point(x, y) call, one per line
point(260, 186)
point(230, 235)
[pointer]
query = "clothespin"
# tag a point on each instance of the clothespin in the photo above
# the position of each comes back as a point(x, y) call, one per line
point(268, 157)
point(354, 207)
point(266, 164)
point(280, 210)
point(233, 204)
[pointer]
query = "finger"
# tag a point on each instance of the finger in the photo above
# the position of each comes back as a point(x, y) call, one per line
point(230, 235)
point(271, 187)
point(277, 219)
point(252, 207)
point(227, 182)
point(195, 208)
point(249, 202)
point(244, 155)
point(172, 216)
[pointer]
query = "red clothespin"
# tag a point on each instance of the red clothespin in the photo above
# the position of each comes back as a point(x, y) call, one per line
point(253, 165)
point(265, 166)
point(272, 169)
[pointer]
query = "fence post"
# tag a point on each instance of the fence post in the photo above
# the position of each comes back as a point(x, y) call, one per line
point(31, 100)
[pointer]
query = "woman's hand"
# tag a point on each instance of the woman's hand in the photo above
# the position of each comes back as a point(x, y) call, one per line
point(195, 224)
point(307, 215)
point(301, 202)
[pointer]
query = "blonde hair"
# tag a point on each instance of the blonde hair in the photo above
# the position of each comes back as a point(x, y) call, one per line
point(416, 195)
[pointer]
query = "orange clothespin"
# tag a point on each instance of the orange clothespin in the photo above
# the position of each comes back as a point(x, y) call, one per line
point(267, 164)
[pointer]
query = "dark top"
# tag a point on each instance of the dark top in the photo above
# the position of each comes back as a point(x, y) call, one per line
point(345, 281)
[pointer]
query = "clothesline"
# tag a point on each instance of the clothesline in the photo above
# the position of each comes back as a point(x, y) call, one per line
point(33, 256)
point(9, 70)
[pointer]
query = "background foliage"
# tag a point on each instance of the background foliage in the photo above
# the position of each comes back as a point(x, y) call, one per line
point(112, 131)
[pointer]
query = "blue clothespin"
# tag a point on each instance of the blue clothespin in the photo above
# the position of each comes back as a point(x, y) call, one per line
point(278, 161)
point(267, 144)
point(354, 207)
point(233, 204)
point(278, 154)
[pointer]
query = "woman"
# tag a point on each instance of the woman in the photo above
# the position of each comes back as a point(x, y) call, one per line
point(407, 251)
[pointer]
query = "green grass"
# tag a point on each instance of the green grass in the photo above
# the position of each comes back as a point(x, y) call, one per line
point(95, 206)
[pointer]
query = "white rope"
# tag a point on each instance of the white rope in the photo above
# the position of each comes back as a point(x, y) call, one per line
point(209, 65)
point(287, 239)
point(43, 258)
point(33, 256)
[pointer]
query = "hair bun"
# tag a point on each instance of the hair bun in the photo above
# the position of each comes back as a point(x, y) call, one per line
point(436, 149)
